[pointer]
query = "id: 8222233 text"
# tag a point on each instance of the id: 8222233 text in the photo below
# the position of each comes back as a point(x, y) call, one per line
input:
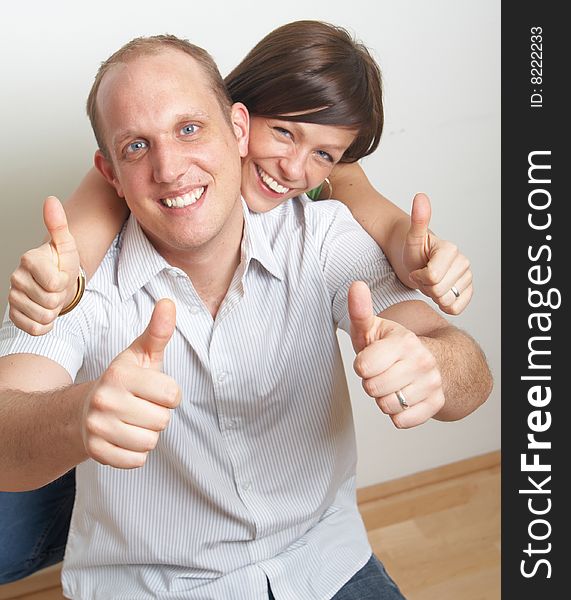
point(536, 67)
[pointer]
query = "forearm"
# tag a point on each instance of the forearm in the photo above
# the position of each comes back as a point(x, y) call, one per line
point(40, 435)
point(385, 222)
point(95, 215)
point(466, 378)
point(394, 248)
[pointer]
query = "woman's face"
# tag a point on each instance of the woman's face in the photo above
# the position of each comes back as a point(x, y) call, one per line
point(287, 158)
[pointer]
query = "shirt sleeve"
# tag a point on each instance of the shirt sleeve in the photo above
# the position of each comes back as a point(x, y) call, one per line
point(348, 253)
point(65, 344)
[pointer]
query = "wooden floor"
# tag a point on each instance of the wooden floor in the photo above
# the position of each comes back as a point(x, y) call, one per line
point(437, 533)
point(440, 539)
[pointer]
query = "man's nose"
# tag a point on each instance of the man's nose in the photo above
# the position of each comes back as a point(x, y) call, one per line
point(169, 165)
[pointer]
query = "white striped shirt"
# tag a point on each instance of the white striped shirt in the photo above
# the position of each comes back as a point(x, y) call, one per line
point(254, 478)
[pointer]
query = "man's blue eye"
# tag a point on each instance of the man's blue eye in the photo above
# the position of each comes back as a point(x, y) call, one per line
point(189, 129)
point(135, 146)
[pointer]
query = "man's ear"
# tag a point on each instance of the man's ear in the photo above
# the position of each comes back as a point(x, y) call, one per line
point(105, 167)
point(241, 123)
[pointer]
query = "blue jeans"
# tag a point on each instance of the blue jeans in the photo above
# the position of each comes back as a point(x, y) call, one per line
point(372, 582)
point(34, 527)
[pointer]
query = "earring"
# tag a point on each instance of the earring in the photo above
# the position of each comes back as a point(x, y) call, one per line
point(330, 186)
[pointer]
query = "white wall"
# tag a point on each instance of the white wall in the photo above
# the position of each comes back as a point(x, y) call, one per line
point(440, 62)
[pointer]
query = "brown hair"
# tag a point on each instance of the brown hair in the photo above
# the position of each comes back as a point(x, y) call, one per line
point(318, 69)
point(142, 46)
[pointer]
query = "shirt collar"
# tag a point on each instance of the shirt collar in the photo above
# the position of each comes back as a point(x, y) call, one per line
point(255, 244)
point(139, 262)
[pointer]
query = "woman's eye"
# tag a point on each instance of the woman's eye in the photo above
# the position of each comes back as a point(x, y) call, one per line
point(325, 156)
point(283, 131)
point(189, 129)
point(136, 146)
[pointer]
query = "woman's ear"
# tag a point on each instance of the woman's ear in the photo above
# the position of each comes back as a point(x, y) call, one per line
point(105, 167)
point(241, 122)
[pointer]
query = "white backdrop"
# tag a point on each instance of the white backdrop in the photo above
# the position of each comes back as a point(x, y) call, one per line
point(441, 68)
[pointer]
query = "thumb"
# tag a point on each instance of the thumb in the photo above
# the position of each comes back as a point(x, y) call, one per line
point(61, 239)
point(417, 237)
point(361, 314)
point(149, 346)
point(420, 214)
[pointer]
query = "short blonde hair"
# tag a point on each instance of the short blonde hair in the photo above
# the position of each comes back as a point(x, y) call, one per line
point(144, 46)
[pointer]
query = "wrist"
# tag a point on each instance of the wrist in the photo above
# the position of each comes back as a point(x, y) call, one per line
point(78, 293)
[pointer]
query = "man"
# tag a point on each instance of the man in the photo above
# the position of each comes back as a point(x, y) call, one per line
point(248, 486)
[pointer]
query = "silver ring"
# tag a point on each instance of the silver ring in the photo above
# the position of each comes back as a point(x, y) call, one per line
point(455, 291)
point(402, 400)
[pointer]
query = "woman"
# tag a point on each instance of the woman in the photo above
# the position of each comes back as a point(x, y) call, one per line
point(335, 117)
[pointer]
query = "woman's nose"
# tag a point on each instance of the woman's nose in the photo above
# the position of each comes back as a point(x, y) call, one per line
point(293, 167)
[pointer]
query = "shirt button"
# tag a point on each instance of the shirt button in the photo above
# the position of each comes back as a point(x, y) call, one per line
point(231, 424)
point(222, 376)
point(246, 485)
point(194, 310)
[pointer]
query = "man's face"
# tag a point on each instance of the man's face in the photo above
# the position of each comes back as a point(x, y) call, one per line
point(173, 155)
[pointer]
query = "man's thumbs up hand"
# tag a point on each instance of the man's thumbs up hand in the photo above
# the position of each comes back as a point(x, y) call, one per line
point(397, 369)
point(131, 402)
